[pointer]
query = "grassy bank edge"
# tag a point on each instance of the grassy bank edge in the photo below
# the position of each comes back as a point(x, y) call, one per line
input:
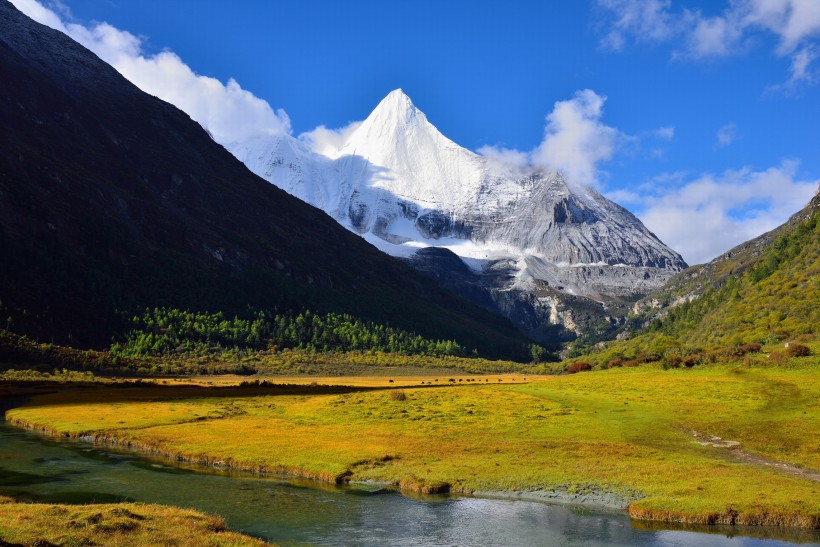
point(646, 510)
point(137, 524)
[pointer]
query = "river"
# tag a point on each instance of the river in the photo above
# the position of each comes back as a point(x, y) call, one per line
point(288, 512)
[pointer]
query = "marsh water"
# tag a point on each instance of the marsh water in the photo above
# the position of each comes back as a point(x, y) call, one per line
point(33, 467)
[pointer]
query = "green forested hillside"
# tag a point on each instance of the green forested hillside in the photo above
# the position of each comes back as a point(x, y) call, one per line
point(162, 332)
point(770, 296)
point(777, 298)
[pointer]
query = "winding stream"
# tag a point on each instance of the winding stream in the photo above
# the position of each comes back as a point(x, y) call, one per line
point(287, 511)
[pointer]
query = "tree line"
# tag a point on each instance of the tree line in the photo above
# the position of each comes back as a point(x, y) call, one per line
point(167, 331)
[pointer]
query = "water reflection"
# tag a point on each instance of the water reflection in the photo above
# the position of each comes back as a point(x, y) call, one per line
point(302, 512)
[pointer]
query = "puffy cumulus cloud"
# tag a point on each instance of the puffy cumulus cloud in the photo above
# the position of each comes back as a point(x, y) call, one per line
point(707, 216)
point(229, 112)
point(575, 139)
point(328, 141)
point(795, 24)
point(726, 135)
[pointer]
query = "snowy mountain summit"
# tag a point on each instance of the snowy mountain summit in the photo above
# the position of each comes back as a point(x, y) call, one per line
point(404, 186)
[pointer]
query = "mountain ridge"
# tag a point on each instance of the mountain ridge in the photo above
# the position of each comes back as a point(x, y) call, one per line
point(404, 186)
point(112, 201)
point(448, 192)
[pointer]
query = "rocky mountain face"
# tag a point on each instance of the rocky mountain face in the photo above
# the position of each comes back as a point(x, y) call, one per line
point(112, 201)
point(535, 247)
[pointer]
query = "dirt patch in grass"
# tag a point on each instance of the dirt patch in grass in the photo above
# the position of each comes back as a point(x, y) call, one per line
point(734, 449)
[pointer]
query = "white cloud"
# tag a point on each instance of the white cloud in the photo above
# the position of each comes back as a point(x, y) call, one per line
point(801, 62)
point(645, 20)
point(505, 156)
point(707, 216)
point(726, 135)
point(793, 21)
point(712, 36)
point(229, 112)
point(328, 141)
point(666, 133)
point(575, 141)
point(795, 24)
point(622, 197)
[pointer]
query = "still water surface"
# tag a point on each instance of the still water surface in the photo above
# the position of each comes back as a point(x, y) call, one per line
point(294, 512)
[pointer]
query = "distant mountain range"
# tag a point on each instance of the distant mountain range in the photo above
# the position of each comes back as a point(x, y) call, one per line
point(539, 249)
point(112, 201)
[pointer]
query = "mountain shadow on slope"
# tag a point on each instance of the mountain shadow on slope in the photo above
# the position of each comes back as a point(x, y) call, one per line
point(113, 201)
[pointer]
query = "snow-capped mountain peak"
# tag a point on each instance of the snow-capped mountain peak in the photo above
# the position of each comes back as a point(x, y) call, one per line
point(395, 111)
point(403, 185)
point(407, 156)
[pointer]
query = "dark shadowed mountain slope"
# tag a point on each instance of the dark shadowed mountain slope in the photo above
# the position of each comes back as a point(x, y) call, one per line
point(112, 201)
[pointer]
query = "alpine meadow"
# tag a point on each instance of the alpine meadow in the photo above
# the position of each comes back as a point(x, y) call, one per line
point(222, 323)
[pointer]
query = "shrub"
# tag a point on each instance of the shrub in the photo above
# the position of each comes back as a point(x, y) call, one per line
point(617, 362)
point(739, 350)
point(398, 395)
point(631, 363)
point(691, 360)
point(648, 357)
point(750, 348)
point(797, 350)
point(671, 361)
point(578, 366)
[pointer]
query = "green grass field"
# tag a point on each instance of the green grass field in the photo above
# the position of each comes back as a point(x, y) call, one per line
point(629, 432)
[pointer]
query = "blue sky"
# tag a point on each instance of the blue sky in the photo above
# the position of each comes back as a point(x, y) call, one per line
point(703, 118)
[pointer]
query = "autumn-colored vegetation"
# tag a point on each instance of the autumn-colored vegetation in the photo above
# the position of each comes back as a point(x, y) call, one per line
point(771, 306)
point(578, 366)
point(624, 431)
point(113, 524)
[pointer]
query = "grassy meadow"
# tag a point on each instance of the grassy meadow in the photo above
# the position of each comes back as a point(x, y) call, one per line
point(130, 524)
point(654, 439)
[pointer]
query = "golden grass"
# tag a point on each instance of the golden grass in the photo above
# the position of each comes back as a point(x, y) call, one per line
point(355, 381)
point(622, 431)
point(113, 524)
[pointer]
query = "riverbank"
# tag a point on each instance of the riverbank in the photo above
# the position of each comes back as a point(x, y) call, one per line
point(607, 439)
